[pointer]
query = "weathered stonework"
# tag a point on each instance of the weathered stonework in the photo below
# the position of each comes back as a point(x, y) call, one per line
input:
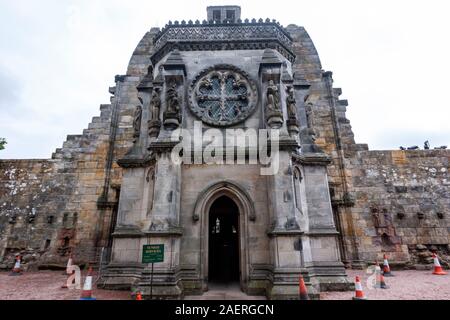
point(332, 202)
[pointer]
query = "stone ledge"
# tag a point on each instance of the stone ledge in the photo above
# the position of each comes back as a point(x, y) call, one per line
point(282, 232)
point(130, 162)
point(165, 233)
point(127, 232)
point(322, 232)
point(312, 159)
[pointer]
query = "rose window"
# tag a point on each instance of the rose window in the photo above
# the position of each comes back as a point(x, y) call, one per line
point(222, 96)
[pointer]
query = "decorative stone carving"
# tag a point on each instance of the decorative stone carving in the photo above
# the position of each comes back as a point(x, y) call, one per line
point(137, 123)
point(273, 97)
point(173, 104)
point(309, 115)
point(172, 117)
point(384, 226)
point(291, 103)
point(154, 124)
point(274, 116)
point(222, 96)
point(308, 134)
point(245, 36)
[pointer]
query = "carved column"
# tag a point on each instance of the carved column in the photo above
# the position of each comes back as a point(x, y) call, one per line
point(164, 219)
point(285, 230)
point(320, 237)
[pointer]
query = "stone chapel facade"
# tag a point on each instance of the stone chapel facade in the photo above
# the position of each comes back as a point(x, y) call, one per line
point(332, 204)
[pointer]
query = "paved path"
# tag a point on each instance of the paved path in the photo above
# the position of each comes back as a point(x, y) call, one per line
point(224, 292)
point(406, 285)
point(46, 285)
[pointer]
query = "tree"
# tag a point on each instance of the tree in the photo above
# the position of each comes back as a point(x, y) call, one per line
point(2, 143)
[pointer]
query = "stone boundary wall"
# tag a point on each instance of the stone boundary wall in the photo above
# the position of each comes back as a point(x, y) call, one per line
point(48, 207)
point(402, 204)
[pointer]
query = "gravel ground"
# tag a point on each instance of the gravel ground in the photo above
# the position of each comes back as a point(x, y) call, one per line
point(46, 285)
point(406, 285)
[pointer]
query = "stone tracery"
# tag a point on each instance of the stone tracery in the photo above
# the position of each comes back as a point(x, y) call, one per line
point(222, 96)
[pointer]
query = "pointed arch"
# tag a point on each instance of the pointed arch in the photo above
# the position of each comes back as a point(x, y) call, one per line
point(247, 213)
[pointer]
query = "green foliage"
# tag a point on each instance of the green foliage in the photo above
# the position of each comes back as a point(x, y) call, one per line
point(2, 143)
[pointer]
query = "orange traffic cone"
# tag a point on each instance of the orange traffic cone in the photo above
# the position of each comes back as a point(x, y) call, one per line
point(382, 283)
point(302, 289)
point(17, 270)
point(86, 293)
point(359, 293)
point(386, 269)
point(69, 263)
point(437, 266)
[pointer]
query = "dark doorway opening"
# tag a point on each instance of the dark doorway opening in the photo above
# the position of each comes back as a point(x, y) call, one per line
point(223, 241)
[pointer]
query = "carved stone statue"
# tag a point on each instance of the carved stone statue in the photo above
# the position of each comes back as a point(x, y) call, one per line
point(172, 116)
point(291, 104)
point(273, 97)
point(173, 103)
point(154, 124)
point(137, 122)
point(274, 116)
point(155, 104)
point(309, 115)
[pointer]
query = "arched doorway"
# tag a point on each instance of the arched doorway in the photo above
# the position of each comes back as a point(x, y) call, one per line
point(246, 213)
point(223, 242)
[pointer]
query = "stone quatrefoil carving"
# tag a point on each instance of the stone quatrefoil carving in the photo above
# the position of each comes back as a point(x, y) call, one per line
point(222, 96)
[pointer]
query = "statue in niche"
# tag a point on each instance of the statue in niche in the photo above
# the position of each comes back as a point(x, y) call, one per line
point(309, 115)
point(173, 103)
point(273, 97)
point(291, 104)
point(274, 115)
point(172, 117)
point(137, 122)
point(154, 123)
point(155, 104)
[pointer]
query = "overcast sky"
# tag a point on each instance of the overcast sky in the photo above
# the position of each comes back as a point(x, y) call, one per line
point(58, 58)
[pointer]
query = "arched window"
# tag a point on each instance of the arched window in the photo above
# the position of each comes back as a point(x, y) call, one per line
point(297, 188)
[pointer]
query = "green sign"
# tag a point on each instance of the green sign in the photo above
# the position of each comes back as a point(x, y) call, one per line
point(152, 253)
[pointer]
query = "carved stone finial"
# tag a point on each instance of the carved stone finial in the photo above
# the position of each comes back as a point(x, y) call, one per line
point(270, 57)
